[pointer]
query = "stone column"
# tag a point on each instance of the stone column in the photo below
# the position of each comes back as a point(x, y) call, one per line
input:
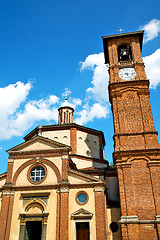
point(44, 229)
point(22, 230)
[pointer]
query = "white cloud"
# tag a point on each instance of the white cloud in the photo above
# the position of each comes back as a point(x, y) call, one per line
point(99, 90)
point(12, 96)
point(17, 116)
point(76, 102)
point(152, 63)
point(88, 113)
point(152, 29)
point(35, 111)
point(53, 99)
point(66, 93)
point(96, 102)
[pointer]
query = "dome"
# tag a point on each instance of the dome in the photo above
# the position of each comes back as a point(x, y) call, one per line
point(66, 104)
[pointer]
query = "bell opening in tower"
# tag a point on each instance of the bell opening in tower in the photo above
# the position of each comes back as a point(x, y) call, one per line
point(124, 53)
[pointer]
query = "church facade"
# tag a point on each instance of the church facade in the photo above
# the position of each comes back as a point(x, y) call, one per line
point(58, 184)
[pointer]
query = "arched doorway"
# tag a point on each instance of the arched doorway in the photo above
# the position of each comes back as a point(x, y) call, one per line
point(33, 223)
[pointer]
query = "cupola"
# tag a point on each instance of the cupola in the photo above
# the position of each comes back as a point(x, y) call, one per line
point(65, 113)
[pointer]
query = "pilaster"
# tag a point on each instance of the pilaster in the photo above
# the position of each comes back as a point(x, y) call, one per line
point(100, 213)
point(6, 214)
point(64, 212)
point(65, 165)
point(73, 140)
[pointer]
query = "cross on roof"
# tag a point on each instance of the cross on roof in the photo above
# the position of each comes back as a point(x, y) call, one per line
point(120, 30)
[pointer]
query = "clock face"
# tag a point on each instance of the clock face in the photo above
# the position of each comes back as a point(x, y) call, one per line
point(127, 73)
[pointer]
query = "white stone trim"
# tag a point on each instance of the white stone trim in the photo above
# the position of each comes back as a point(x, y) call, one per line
point(134, 219)
point(99, 189)
point(64, 189)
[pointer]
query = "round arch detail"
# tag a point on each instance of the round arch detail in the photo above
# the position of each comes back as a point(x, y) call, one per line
point(33, 161)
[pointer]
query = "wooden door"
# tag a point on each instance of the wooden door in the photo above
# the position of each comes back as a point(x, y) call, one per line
point(82, 229)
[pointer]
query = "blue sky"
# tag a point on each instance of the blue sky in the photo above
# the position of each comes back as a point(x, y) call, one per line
point(48, 48)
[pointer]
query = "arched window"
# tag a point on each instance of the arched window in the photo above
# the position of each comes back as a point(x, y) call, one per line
point(69, 117)
point(124, 53)
point(64, 117)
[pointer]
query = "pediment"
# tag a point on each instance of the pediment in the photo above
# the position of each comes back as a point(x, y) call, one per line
point(81, 213)
point(77, 177)
point(39, 144)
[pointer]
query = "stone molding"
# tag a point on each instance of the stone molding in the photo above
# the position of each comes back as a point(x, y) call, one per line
point(55, 186)
point(10, 160)
point(88, 158)
point(154, 164)
point(133, 133)
point(134, 220)
point(64, 189)
point(64, 127)
point(65, 157)
point(123, 165)
point(99, 189)
point(8, 192)
point(158, 218)
point(42, 154)
point(81, 214)
point(55, 146)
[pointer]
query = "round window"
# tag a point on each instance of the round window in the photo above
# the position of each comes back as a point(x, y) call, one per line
point(37, 174)
point(81, 198)
point(114, 227)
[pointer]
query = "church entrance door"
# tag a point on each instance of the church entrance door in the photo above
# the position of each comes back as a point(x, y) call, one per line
point(82, 229)
point(33, 230)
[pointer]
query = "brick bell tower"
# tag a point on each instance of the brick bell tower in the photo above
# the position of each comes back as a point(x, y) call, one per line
point(136, 149)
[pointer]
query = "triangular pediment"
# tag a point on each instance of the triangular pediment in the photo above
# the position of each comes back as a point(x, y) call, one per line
point(76, 177)
point(81, 213)
point(39, 144)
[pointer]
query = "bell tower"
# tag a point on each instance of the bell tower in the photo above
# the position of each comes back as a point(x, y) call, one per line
point(136, 149)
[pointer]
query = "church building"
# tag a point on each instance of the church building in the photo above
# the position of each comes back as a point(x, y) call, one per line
point(58, 185)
